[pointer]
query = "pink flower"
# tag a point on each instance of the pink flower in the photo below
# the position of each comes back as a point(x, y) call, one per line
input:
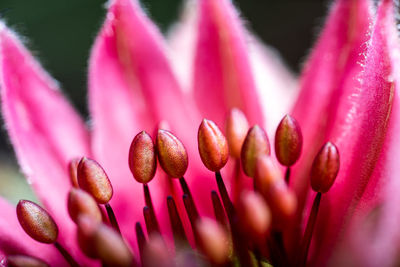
point(348, 95)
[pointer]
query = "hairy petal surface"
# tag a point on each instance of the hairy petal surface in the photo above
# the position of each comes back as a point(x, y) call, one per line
point(223, 76)
point(45, 130)
point(131, 88)
point(373, 236)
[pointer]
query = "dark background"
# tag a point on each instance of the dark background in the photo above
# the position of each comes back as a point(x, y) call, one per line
point(61, 32)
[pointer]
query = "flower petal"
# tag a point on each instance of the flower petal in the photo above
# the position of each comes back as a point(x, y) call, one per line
point(374, 235)
point(45, 130)
point(13, 240)
point(131, 88)
point(223, 76)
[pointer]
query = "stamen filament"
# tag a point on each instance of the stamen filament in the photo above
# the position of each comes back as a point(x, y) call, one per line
point(149, 204)
point(178, 231)
point(112, 218)
point(192, 214)
point(141, 239)
point(305, 244)
point(230, 210)
point(186, 191)
point(151, 223)
point(218, 209)
point(66, 255)
point(287, 175)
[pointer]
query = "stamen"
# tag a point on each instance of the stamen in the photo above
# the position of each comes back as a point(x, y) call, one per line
point(156, 253)
point(149, 204)
point(86, 229)
point(288, 141)
point(236, 130)
point(287, 175)
point(24, 261)
point(80, 202)
point(112, 218)
point(213, 146)
point(192, 213)
point(178, 230)
point(171, 154)
point(305, 244)
point(141, 239)
point(218, 209)
point(255, 145)
point(213, 240)
point(66, 255)
point(230, 210)
point(186, 191)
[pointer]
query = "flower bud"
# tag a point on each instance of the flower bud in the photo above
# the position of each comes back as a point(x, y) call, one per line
point(172, 154)
point(80, 202)
point(288, 141)
point(254, 214)
point(213, 240)
point(24, 261)
point(213, 146)
point(236, 130)
point(325, 168)
point(36, 222)
point(73, 172)
point(255, 145)
point(142, 158)
point(94, 180)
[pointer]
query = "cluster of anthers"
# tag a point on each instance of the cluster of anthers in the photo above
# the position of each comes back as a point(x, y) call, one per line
point(248, 230)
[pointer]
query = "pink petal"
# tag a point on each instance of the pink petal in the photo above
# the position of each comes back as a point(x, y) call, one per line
point(43, 127)
point(131, 88)
point(223, 76)
point(374, 235)
point(329, 101)
point(13, 239)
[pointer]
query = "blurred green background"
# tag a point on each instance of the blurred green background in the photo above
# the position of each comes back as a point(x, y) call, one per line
point(61, 32)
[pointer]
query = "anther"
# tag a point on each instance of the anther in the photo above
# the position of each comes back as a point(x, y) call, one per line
point(86, 229)
point(254, 215)
point(156, 253)
point(255, 145)
point(178, 230)
point(172, 154)
point(288, 141)
point(142, 158)
point(73, 172)
point(24, 261)
point(271, 185)
point(93, 179)
point(110, 247)
point(213, 240)
point(36, 222)
point(236, 130)
point(213, 146)
point(325, 168)
point(80, 202)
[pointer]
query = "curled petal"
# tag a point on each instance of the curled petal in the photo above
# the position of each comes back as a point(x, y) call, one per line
point(45, 130)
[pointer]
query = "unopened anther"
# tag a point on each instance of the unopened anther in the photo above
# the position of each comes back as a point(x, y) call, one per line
point(288, 141)
point(325, 168)
point(142, 158)
point(93, 179)
point(236, 130)
point(80, 202)
point(73, 172)
point(172, 154)
point(24, 261)
point(213, 146)
point(36, 222)
point(255, 145)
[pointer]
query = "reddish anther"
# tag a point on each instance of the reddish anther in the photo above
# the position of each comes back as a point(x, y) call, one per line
point(24, 261)
point(325, 168)
point(288, 141)
point(93, 179)
point(213, 146)
point(172, 154)
point(73, 172)
point(80, 202)
point(236, 128)
point(142, 158)
point(255, 145)
point(36, 222)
